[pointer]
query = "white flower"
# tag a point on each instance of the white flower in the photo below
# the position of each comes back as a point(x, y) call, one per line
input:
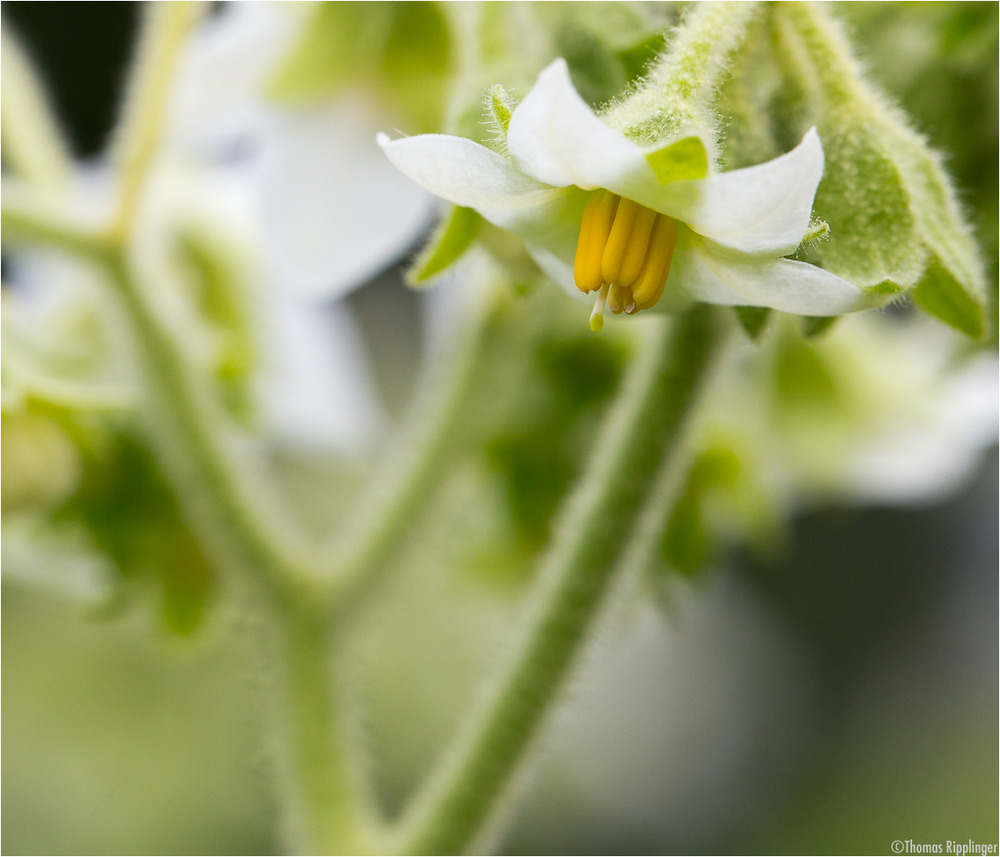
point(600, 213)
point(334, 213)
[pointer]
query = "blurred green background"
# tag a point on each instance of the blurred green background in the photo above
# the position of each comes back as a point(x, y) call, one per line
point(830, 700)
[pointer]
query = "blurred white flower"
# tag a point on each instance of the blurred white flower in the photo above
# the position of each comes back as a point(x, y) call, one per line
point(334, 213)
point(876, 410)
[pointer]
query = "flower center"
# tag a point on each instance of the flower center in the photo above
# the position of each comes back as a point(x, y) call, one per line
point(624, 254)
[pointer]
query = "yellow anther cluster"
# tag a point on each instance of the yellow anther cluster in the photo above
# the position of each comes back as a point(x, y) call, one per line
point(624, 254)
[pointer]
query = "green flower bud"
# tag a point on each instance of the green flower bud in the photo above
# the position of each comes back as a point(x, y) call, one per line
point(894, 219)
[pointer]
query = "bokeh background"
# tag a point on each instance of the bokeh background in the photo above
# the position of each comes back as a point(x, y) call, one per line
point(829, 698)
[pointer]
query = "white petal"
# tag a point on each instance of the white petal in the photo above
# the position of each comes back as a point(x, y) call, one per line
point(717, 276)
point(316, 390)
point(932, 452)
point(465, 173)
point(222, 69)
point(761, 209)
point(335, 212)
point(555, 137)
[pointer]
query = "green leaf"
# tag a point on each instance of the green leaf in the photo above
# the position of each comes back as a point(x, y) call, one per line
point(683, 159)
point(451, 239)
point(132, 516)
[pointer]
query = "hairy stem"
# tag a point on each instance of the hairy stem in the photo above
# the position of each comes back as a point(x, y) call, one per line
point(387, 510)
point(30, 218)
point(639, 438)
point(325, 811)
point(677, 94)
point(223, 504)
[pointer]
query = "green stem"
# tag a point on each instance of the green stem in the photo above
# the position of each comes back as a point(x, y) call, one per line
point(32, 142)
point(325, 813)
point(147, 98)
point(28, 217)
point(389, 508)
point(222, 502)
point(640, 437)
point(828, 55)
point(681, 87)
point(700, 49)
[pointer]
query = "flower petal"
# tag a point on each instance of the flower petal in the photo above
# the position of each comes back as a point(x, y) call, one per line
point(334, 212)
point(760, 209)
point(316, 389)
point(717, 276)
point(555, 137)
point(215, 101)
point(465, 173)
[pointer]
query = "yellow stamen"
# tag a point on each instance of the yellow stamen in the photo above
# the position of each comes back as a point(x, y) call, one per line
point(624, 252)
point(648, 288)
point(597, 314)
point(618, 240)
point(636, 249)
point(598, 217)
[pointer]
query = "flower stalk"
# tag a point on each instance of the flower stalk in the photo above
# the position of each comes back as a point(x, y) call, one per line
point(327, 810)
point(141, 126)
point(641, 436)
point(395, 497)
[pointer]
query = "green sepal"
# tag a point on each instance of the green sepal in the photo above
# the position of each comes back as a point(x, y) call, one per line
point(453, 236)
point(941, 295)
point(680, 160)
point(873, 235)
point(953, 286)
point(817, 325)
point(604, 44)
point(501, 107)
point(803, 377)
point(753, 319)
point(817, 230)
